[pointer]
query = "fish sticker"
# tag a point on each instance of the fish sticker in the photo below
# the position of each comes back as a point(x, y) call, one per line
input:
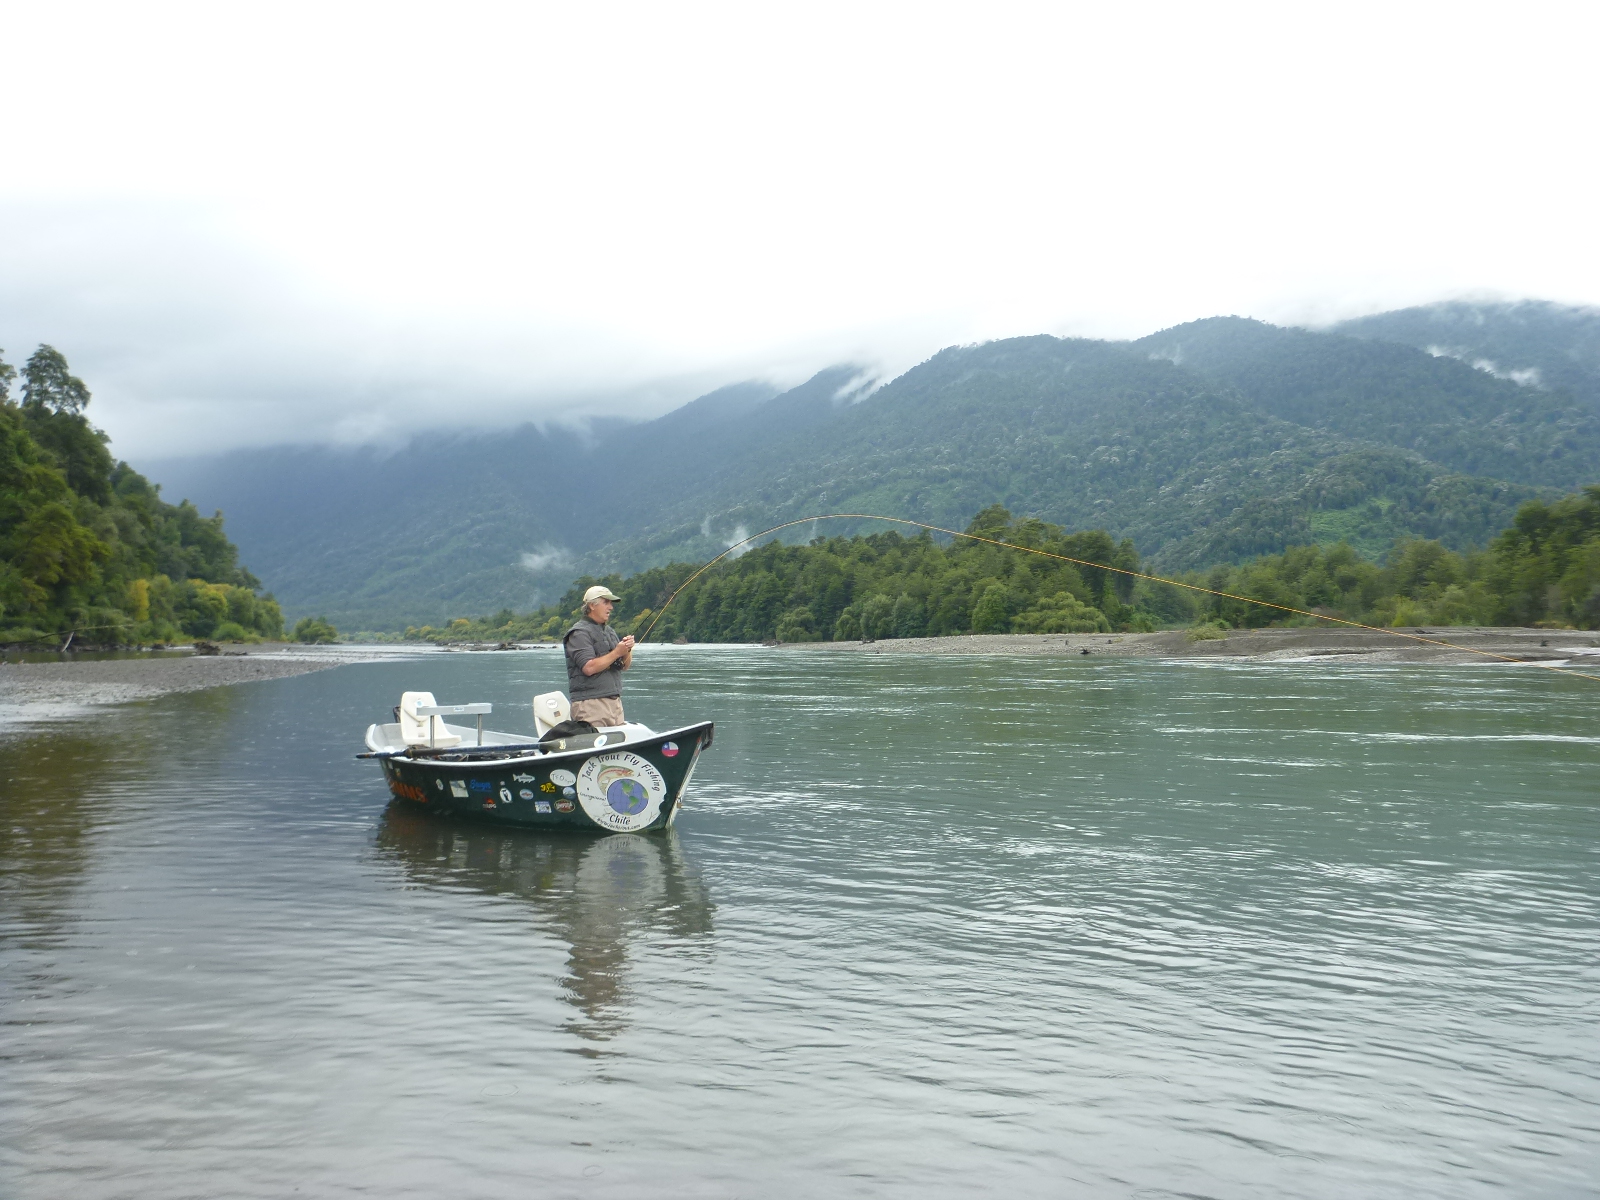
point(621, 791)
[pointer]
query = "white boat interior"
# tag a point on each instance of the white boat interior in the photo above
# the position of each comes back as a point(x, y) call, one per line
point(421, 723)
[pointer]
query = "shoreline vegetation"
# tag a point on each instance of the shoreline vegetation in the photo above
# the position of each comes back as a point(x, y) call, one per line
point(89, 552)
point(1541, 572)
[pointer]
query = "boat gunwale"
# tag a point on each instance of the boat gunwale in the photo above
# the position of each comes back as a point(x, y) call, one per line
point(436, 757)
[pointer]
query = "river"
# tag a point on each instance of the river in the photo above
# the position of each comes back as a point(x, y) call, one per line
point(927, 927)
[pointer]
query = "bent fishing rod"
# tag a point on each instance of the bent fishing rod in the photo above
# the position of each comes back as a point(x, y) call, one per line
point(1080, 562)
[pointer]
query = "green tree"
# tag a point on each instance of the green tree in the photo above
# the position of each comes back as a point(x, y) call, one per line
point(877, 618)
point(1542, 566)
point(1061, 613)
point(50, 386)
point(908, 618)
point(992, 612)
point(316, 631)
point(797, 625)
point(848, 627)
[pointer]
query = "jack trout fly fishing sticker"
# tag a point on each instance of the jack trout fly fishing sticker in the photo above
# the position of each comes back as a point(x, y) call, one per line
point(621, 791)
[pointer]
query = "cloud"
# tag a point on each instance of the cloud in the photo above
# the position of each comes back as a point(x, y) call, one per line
point(860, 386)
point(741, 533)
point(547, 557)
point(572, 221)
point(1524, 376)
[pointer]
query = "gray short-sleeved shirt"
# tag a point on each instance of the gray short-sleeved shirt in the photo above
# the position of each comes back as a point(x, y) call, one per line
point(585, 640)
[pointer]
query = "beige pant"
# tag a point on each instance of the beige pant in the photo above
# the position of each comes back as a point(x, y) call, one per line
point(603, 712)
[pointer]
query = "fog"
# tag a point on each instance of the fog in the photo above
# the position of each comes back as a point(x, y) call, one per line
point(296, 223)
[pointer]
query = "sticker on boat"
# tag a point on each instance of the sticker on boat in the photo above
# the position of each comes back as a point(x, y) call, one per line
point(562, 778)
point(621, 791)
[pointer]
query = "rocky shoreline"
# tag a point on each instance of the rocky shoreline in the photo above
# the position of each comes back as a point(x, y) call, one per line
point(1312, 644)
point(34, 691)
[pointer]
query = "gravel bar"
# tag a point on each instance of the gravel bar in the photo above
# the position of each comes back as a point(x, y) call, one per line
point(1580, 648)
point(33, 691)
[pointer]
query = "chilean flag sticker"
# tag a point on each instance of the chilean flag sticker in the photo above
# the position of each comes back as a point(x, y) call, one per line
point(670, 749)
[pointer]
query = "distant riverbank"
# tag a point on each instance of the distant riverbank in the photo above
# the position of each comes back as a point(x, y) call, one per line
point(33, 691)
point(1267, 645)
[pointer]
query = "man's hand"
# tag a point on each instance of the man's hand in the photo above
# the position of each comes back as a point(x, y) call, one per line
point(622, 653)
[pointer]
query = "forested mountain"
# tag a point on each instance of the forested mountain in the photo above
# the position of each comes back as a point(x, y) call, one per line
point(88, 549)
point(1085, 434)
point(1543, 345)
point(1256, 439)
point(1441, 408)
point(465, 523)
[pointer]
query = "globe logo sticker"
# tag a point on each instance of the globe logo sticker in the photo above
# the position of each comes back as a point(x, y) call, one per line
point(621, 791)
point(627, 796)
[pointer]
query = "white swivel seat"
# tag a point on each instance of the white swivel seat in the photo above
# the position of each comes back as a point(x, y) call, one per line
point(423, 731)
point(549, 710)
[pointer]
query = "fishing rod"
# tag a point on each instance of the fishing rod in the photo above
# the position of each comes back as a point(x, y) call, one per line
point(1193, 587)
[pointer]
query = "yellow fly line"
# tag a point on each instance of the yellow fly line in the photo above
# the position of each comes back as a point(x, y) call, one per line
point(1300, 612)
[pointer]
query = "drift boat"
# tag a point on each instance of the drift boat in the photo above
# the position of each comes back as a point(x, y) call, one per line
point(620, 779)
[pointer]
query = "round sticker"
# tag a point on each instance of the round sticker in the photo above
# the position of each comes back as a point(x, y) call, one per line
point(562, 778)
point(621, 791)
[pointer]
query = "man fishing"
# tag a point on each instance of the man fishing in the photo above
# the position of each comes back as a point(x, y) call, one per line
point(596, 659)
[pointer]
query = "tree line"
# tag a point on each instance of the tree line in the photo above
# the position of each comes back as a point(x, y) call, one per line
point(1542, 570)
point(88, 549)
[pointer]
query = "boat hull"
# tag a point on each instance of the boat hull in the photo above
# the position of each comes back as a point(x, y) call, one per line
point(634, 786)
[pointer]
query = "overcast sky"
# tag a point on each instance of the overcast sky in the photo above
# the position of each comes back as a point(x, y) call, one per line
point(267, 223)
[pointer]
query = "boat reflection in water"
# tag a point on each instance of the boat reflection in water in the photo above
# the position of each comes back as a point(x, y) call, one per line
point(599, 894)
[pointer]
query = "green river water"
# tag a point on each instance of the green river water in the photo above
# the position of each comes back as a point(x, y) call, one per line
point(927, 927)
